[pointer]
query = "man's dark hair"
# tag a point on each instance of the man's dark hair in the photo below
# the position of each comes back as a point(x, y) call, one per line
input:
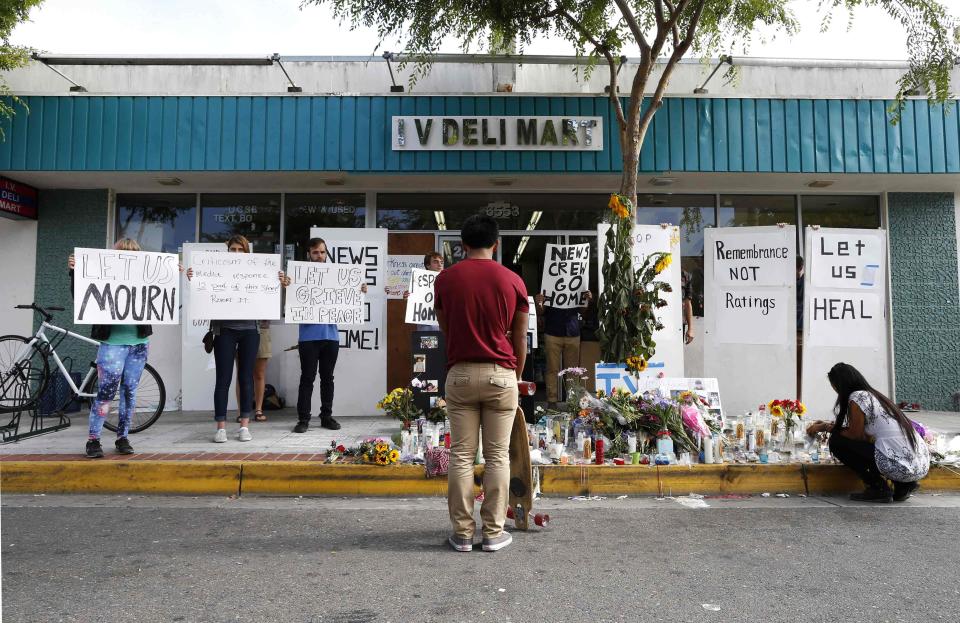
point(315, 242)
point(429, 258)
point(479, 232)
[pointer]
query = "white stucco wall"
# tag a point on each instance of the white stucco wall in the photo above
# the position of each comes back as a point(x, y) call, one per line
point(18, 260)
point(350, 75)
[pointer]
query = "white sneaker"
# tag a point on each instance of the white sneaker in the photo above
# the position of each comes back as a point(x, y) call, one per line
point(244, 434)
point(221, 436)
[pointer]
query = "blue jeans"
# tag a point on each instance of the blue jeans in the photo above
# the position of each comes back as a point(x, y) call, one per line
point(120, 366)
point(240, 346)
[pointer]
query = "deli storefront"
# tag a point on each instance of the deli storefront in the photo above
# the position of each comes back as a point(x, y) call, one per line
point(168, 171)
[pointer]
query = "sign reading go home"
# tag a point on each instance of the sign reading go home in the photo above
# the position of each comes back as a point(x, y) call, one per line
point(497, 133)
point(125, 287)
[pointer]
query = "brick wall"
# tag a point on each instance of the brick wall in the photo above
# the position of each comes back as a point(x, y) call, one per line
point(926, 309)
point(67, 219)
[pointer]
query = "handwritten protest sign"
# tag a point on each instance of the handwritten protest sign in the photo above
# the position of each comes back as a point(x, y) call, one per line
point(420, 303)
point(566, 275)
point(235, 286)
point(125, 287)
point(399, 268)
point(325, 293)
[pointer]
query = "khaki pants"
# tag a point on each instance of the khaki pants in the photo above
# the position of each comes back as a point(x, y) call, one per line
point(480, 394)
point(561, 351)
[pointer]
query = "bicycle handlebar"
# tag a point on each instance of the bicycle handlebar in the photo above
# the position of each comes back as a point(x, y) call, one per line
point(47, 316)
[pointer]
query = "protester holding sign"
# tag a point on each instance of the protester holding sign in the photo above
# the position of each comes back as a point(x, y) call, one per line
point(236, 340)
point(121, 357)
point(561, 328)
point(319, 346)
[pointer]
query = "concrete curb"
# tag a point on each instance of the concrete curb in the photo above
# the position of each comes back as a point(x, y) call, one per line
point(315, 478)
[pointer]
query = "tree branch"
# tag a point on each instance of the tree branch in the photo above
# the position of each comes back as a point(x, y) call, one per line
point(674, 30)
point(633, 24)
point(604, 49)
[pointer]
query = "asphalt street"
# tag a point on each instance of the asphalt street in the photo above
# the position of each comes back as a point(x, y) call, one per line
point(119, 558)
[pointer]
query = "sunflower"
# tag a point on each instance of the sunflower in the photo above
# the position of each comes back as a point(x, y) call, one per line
point(618, 206)
point(637, 363)
point(776, 411)
point(663, 263)
point(381, 448)
point(382, 458)
point(393, 456)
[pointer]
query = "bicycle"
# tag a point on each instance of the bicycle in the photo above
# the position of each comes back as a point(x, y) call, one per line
point(25, 374)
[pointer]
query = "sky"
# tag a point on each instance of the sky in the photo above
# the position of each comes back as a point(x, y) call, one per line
point(262, 27)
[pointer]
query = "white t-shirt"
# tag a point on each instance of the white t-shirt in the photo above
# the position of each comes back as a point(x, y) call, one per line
point(896, 459)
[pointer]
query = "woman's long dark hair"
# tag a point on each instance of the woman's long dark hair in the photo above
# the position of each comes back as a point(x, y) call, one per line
point(846, 379)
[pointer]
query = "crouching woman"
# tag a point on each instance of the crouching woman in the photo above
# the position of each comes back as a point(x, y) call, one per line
point(871, 436)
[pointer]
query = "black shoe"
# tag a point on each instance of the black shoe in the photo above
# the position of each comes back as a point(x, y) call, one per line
point(327, 421)
point(903, 490)
point(301, 426)
point(94, 450)
point(123, 446)
point(872, 494)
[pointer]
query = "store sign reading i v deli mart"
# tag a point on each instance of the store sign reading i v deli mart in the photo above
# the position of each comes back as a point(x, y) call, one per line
point(17, 201)
point(414, 133)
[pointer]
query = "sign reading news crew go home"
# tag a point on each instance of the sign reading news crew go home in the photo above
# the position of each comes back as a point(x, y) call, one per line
point(473, 133)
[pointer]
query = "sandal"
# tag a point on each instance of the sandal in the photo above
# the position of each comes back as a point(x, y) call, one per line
point(259, 416)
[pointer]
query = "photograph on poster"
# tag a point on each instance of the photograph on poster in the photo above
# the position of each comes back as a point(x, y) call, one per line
point(431, 386)
point(433, 401)
point(419, 364)
point(429, 342)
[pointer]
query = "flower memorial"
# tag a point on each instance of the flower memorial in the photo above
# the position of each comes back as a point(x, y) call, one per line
point(631, 295)
point(789, 411)
point(399, 404)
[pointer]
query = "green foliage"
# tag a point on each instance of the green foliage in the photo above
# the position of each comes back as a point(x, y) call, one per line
point(12, 12)
point(630, 298)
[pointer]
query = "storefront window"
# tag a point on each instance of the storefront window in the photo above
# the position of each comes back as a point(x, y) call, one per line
point(257, 217)
point(158, 222)
point(301, 212)
point(692, 213)
point(754, 210)
point(513, 212)
point(852, 211)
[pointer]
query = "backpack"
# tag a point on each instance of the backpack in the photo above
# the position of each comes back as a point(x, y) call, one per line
point(271, 399)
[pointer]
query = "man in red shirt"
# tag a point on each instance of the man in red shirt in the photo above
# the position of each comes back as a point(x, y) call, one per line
point(478, 301)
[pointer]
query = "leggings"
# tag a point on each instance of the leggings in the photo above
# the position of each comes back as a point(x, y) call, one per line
point(241, 346)
point(118, 365)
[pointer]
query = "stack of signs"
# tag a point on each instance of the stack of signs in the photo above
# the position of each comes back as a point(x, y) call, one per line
point(324, 293)
point(566, 275)
point(844, 315)
point(126, 287)
point(235, 286)
point(750, 313)
point(420, 302)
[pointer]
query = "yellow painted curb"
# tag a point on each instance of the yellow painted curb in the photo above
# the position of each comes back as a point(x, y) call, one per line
point(157, 477)
point(833, 479)
point(733, 478)
point(315, 478)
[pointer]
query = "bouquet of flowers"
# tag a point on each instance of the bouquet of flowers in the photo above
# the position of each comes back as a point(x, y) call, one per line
point(399, 404)
point(658, 413)
point(787, 410)
point(377, 451)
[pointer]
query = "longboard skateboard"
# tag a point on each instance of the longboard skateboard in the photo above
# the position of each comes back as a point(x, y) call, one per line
point(521, 486)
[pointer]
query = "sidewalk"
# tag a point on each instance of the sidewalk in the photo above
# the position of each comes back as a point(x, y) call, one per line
point(176, 456)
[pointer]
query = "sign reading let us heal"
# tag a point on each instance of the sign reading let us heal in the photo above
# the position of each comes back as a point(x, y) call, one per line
point(414, 133)
point(235, 286)
point(125, 287)
point(325, 293)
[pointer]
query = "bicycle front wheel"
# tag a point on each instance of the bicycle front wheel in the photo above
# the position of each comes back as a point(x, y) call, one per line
point(151, 398)
point(24, 373)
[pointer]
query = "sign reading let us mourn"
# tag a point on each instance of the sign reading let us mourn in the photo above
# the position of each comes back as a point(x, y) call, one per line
point(414, 133)
point(111, 286)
